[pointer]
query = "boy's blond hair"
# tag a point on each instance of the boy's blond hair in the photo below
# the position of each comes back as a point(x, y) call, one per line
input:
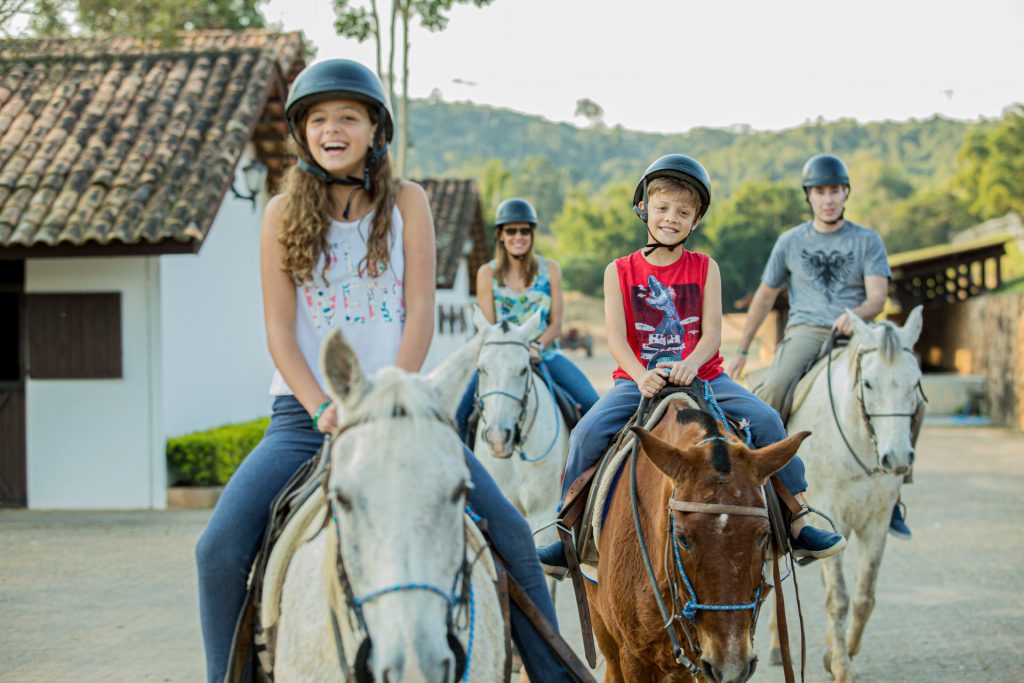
point(675, 186)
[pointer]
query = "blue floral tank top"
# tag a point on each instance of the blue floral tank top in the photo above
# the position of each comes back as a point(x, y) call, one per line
point(517, 307)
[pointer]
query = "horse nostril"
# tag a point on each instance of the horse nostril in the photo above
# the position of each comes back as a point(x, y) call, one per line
point(912, 455)
point(446, 668)
point(711, 672)
point(752, 667)
point(887, 461)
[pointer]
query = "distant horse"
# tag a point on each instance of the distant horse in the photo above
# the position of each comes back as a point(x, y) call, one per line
point(382, 591)
point(521, 438)
point(705, 525)
point(860, 404)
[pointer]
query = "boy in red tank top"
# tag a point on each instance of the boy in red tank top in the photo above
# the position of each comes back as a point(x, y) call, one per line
point(663, 314)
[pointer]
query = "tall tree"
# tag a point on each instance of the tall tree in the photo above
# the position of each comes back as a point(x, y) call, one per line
point(743, 229)
point(362, 22)
point(991, 165)
point(152, 20)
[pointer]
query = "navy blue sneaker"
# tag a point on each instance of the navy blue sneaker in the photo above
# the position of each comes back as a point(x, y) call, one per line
point(897, 525)
point(815, 544)
point(552, 560)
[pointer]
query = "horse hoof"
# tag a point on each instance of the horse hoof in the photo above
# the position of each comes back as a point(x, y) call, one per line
point(775, 657)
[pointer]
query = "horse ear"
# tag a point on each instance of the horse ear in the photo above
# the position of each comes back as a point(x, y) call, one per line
point(449, 379)
point(673, 462)
point(770, 459)
point(479, 320)
point(528, 328)
point(861, 330)
point(911, 329)
point(340, 368)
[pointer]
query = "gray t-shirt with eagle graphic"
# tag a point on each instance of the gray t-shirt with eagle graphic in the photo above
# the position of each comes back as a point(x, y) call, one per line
point(825, 271)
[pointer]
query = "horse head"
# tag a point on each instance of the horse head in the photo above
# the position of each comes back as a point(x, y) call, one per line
point(397, 488)
point(720, 538)
point(504, 381)
point(887, 385)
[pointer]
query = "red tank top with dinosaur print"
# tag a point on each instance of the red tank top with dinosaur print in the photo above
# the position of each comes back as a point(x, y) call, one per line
point(664, 307)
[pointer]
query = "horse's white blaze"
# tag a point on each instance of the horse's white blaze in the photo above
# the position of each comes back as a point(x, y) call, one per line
point(399, 472)
point(888, 381)
point(533, 487)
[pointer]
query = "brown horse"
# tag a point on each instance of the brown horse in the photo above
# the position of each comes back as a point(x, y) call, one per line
point(703, 488)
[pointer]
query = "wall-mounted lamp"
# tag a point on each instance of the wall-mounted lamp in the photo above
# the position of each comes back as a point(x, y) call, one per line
point(255, 173)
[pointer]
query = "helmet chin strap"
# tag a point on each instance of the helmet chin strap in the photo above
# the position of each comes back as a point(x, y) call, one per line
point(654, 244)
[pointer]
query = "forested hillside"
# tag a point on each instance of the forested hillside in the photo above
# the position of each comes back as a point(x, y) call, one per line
point(917, 182)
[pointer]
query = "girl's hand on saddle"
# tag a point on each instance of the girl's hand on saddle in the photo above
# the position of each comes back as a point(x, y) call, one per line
point(328, 420)
point(652, 382)
point(535, 350)
point(681, 372)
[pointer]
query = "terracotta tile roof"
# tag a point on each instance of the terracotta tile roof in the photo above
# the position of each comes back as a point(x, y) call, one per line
point(457, 217)
point(112, 147)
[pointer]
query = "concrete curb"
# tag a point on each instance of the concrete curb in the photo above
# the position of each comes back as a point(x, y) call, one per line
point(193, 497)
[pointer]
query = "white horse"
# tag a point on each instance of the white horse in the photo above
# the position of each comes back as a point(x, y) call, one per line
point(395, 500)
point(521, 438)
point(860, 411)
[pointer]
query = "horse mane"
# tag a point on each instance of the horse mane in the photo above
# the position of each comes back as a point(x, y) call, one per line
point(892, 345)
point(719, 453)
point(395, 393)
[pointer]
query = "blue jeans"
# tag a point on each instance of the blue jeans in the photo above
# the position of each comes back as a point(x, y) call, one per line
point(591, 437)
point(228, 545)
point(564, 373)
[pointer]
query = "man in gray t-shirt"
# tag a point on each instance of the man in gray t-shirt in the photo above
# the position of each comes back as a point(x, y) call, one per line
point(829, 264)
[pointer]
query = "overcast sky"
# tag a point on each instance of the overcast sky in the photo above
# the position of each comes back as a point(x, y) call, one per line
point(671, 65)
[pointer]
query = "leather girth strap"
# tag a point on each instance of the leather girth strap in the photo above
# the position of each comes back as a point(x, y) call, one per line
point(557, 644)
point(780, 494)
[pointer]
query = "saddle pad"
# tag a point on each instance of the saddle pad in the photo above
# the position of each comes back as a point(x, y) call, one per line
point(605, 486)
point(803, 388)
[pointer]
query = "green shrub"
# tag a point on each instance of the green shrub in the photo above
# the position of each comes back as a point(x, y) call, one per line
point(209, 458)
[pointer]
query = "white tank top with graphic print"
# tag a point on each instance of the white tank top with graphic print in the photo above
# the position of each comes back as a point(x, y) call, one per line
point(369, 311)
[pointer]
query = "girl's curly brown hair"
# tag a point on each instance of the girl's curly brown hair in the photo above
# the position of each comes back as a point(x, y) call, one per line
point(309, 207)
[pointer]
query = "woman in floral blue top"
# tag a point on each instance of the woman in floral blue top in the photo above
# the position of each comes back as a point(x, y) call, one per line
point(512, 287)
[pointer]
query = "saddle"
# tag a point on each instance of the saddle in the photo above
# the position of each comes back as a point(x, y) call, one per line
point(298, 513)
point(800, 386)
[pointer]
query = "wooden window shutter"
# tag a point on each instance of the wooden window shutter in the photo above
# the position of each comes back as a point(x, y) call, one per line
point(74, 335)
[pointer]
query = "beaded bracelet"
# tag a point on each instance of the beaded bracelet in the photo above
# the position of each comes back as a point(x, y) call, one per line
point(320, 411)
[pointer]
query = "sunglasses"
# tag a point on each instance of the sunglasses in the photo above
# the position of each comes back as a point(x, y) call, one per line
point(517, 231)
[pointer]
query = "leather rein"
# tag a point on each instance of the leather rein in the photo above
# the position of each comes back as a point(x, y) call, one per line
point(865, 415)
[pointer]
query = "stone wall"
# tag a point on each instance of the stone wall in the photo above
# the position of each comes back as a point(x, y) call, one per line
point(981, 336)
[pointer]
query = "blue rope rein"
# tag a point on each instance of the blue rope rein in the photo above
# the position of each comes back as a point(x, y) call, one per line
point(692, 606)
point(558, 423)
point(719, 414)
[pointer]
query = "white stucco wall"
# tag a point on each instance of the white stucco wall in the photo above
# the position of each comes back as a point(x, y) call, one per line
point(98, 443)
point(216, 366)
point(443, 345)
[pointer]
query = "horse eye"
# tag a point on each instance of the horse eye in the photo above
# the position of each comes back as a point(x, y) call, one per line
point(522, 372)
point(343, 501)
point(481, 371)
point(683, 540)
point(867, 384)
